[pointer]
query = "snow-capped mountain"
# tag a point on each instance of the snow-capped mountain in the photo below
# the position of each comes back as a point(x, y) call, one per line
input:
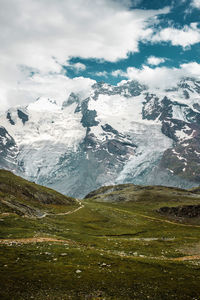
point(117, 134)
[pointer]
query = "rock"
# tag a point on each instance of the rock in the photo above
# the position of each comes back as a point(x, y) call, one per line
point(186, 211)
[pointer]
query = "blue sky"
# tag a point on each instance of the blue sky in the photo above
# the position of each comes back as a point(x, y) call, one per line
point(182, 13)
point(49, 47)
point(174, 55)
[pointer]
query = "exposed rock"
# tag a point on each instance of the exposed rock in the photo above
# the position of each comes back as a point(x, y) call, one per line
point(24, 117)
point(22, 209)
point(10, 119)
point(73, 98)
point(116, 134)
point(88, 118)
point(130, 89)
point(108, 128)
point(184, 158)
point(186, 211)
point(8, 150)
point(154, 108)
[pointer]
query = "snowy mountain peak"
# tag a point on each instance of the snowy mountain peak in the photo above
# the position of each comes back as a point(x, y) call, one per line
point(115, 134)
point(73, 98)
point(43, 104)
point(17, 115)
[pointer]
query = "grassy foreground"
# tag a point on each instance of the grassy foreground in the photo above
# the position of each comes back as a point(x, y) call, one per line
point(119, 249)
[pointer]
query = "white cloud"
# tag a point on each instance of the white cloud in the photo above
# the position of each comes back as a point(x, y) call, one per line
point(155, 61)
point(53, 86)
point(160, 77)
point(39, 30)
point(119, 73)
point(184, 37)
point(102, 74)
point(196, 3)
point(41, 35)
point(78, 67)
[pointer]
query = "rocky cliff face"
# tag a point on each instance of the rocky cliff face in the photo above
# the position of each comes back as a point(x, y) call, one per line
point(117, 134)
point(8, 150)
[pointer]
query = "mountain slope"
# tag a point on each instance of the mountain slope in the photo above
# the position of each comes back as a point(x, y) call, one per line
point(8, 150)
point(27, 198)
point(117, 134)
point(121, 237)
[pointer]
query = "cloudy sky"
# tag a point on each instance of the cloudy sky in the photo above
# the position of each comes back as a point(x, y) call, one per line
point(50, 47)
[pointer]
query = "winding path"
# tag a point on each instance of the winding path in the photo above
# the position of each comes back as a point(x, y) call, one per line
point(71, 212)
point(156, 219)
point(109, 252)
point(63, 214)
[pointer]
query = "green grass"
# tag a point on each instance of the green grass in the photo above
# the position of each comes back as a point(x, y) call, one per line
point(124, 250)
point(50, 272)
point(19, 195)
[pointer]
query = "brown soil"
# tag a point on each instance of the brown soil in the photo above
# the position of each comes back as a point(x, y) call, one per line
point(184, 258)
point(31, 240)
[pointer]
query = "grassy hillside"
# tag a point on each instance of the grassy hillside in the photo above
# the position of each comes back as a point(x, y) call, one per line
point(116, 245)
point(29, 199)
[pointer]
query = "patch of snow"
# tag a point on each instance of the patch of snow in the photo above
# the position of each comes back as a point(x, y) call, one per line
point(179, 113)
point(48, 134)
point(4, 140)
point(183, 134)
point(119, 112)
point(181, 158)
point(174, 152)
point(151, 145)
point(171, 171)
point(43, 104)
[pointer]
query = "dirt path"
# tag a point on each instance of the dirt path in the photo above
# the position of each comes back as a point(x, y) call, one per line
point(124, 255)
point(8, 214)
point(64, 214)
point(45, 214)
point(140, 256)
point(167, 221)
point(157, 219)
point(70, 212)
point(31, 240)
point(185, 258)
point(108, 252)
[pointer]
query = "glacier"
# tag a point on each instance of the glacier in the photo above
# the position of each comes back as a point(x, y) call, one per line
point(106, 135)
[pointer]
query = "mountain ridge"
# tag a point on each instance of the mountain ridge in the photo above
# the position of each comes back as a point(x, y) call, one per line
point(118, 134)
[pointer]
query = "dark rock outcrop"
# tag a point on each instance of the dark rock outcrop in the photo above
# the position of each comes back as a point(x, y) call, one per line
point(24, 117)
point(186, 211)
point(8, 150)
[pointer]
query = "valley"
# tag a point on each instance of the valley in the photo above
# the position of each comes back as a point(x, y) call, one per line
point(99, 150)
point(116, 245)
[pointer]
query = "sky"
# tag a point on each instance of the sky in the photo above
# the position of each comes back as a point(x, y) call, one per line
point(51, 47)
